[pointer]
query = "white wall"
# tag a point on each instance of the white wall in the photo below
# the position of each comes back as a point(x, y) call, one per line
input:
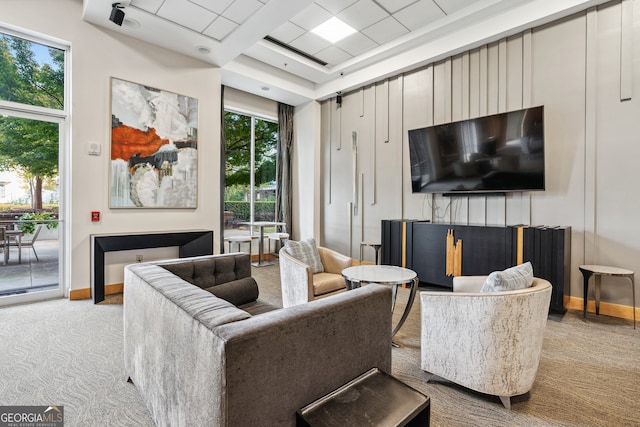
point(306, 171)
point(97, 55)
point(572, 67)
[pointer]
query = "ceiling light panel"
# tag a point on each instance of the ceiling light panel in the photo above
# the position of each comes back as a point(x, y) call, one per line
point(333, 30)
point(336, 6)
point(419, 14)
point(386, 30)
point(392, 6)
point(220, 28)
point(287, 32)
point(240, 10)
point(311, 17)
point(187, 14)
point(217, 6)
point(363, 14)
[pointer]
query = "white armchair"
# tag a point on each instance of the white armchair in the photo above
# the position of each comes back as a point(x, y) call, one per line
point(489, 342)
point(300, 285)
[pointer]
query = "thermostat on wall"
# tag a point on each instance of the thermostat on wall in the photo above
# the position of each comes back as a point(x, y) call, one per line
point(94, 148)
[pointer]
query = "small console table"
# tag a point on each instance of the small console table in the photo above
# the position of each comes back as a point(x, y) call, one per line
point(191, 243)
point(603, 270)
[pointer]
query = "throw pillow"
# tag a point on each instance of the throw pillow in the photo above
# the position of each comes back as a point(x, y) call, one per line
point(307, 252)
point(518, 277)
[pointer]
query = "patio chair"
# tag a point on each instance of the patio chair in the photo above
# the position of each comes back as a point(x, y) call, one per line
point(29, 243)
point(3, 245)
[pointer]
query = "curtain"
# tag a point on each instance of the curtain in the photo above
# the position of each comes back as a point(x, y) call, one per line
point(223, 161)
point(283, 171)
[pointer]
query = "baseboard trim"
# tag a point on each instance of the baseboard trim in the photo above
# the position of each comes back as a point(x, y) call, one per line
point(85, 293)
point(606, 308)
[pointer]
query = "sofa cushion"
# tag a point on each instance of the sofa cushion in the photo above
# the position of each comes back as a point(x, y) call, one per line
point(237, 292)
point(307, 252)
point(511, 279)
point(212, 271)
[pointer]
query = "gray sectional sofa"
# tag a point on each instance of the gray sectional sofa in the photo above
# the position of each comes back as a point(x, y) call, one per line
point(198, 359)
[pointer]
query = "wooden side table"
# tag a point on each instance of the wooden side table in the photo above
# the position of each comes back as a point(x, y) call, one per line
point(602, 270)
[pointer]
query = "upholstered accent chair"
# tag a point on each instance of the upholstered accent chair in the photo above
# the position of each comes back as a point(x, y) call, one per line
point(490, 342)
point(300, 285)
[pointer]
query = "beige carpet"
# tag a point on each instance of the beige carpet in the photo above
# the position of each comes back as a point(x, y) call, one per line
point(69, 353)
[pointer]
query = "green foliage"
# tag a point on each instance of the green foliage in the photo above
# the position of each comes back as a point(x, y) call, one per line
point(264, 211)
point(238, 150)
point(30, 146)
point(29, 227)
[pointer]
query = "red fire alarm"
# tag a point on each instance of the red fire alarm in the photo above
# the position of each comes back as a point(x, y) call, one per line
point(95, 216)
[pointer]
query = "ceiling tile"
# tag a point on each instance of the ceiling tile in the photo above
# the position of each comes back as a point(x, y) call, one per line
point(311, 17)
point(450, 6)
point(287, 32)
point(335, 6)
point(333, 55)
point(151, 6)
point(217, 6)
point(392, 6)
point(220, 28)
point(187, 14)
point(310, 43)
point(363, 14)
point(240, 10)
point(356, 44)
point(419, 14)
point(385, 30)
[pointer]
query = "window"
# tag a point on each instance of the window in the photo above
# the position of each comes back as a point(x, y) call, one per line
point(250, 170)
point(33, 141)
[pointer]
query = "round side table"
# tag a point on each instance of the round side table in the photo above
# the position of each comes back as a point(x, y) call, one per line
point(602, 270)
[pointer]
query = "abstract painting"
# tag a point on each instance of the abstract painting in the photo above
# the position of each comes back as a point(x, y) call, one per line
point(154, 147)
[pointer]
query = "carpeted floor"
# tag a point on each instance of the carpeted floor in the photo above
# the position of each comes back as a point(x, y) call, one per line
point(69, 353)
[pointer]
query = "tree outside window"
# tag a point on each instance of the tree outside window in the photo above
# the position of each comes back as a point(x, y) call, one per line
point(250, 169)
point(31, 74)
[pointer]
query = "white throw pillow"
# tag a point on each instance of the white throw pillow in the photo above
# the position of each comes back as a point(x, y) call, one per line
point(511, 279)
point(307, 252)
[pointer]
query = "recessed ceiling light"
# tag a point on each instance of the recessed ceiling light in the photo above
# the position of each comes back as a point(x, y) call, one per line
point(334, 30)
point(265, 88)
point(203, 50)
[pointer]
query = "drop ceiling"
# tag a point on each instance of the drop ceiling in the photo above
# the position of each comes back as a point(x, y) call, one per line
point(262, 44)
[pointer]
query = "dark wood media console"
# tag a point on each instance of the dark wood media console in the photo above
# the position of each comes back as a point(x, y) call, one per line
point(190, 243)
point(424, 247)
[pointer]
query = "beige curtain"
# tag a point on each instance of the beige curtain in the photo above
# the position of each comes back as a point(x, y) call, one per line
point(283, 172)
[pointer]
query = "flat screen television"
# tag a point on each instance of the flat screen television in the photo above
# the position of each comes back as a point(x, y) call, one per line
point(498, 153)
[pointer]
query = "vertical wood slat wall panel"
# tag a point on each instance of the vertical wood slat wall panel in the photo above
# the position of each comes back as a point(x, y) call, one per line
point(514, 79)
point(496, 205)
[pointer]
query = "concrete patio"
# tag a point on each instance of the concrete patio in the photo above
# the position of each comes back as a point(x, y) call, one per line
point(30, 275)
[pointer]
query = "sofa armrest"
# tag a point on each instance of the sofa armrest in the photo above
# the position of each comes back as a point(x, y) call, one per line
point(296, 280)
point(302, 353)
point(332, 261)
point(468, 283)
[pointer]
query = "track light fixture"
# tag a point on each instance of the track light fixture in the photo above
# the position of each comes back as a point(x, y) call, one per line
point(117, 14)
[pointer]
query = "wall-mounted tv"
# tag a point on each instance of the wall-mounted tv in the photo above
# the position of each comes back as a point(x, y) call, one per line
point(497, 153)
